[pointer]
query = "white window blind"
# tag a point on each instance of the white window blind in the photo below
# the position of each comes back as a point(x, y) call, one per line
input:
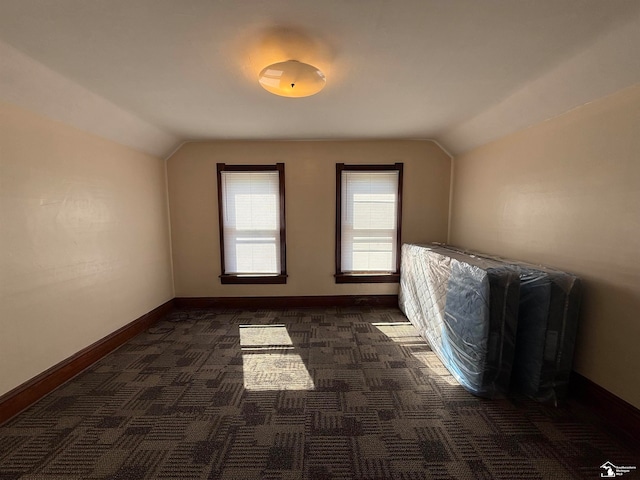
point(251, 222)
point(369, 205)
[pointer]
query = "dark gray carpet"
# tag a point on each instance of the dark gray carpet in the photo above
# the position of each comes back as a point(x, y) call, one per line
point(313, 394)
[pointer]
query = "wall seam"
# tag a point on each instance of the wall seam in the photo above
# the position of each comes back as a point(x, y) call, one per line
point(450, 215)
point(166, 194)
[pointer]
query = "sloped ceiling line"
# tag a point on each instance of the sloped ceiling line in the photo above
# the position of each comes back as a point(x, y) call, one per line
point(151, 75)
point(28, 84)
point(609, 65)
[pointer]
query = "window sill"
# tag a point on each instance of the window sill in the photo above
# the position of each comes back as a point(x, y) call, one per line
point(253, 279)
point(367, 278)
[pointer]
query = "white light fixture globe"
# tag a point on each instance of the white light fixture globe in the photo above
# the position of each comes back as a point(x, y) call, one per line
point(292, 79)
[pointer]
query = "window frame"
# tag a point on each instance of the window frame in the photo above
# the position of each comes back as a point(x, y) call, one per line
point(350, 277)
point(257, 279)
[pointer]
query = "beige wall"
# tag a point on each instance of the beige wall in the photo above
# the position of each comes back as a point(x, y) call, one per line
point(84, 243)
point(567, 193)
point(310, 209)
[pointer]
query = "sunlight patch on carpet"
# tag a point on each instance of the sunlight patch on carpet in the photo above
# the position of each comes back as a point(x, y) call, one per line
point(406, 334)
point(270, 360)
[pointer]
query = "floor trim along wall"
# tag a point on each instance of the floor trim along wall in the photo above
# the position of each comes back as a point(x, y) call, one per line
point(600, 404)
point(322, 301)
point(32, 390)
point(608, 408)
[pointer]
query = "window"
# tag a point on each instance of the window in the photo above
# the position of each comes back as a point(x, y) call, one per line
point(368, 218)
point(252, 223)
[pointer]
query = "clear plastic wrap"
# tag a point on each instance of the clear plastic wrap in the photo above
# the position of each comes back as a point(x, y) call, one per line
point(547, 329)
point(549, 308)
point(466, 308)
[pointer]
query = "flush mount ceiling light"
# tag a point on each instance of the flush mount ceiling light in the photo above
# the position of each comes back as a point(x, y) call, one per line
point(292, 79)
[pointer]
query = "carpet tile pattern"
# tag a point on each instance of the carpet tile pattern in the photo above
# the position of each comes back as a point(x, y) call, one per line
point(321, 394)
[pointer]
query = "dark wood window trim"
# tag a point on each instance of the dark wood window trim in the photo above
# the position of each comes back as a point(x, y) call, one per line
point(230, 279)
point(281, 278)
point(366, 277)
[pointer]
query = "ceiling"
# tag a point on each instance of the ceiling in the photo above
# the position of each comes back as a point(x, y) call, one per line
point(154, 73)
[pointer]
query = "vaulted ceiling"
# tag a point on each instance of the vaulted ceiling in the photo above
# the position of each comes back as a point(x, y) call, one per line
point(154, 73)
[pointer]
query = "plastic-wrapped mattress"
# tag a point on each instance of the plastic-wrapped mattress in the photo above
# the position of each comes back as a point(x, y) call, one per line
point(547, 329)
point(466, 308)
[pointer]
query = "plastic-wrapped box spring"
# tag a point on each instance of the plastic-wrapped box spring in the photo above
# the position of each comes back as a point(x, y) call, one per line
point(466, 308)
point(547, 329)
